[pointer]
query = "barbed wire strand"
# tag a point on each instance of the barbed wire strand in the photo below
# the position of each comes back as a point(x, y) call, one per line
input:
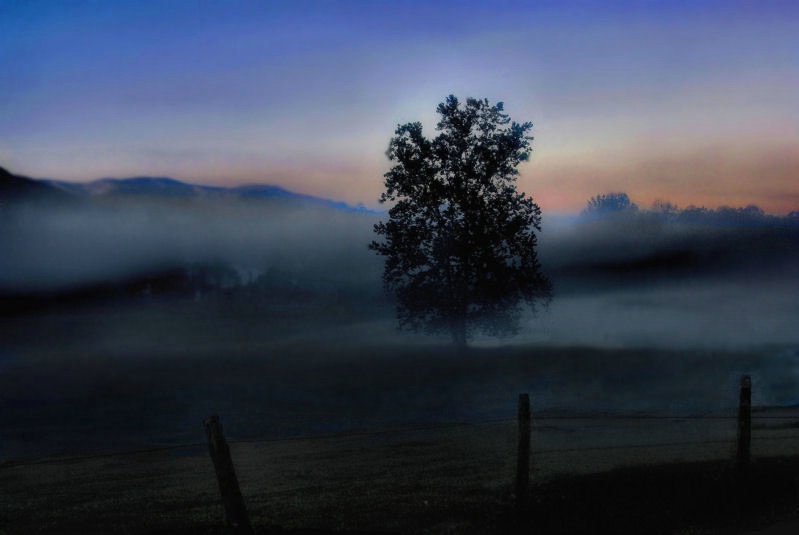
point(421, 428)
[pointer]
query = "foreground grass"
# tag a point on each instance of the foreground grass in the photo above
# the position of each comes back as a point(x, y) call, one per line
point(115, 380)
point(703, 497)
point(385, 485)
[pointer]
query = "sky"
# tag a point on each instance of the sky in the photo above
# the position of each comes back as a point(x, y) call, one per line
point(688, 102)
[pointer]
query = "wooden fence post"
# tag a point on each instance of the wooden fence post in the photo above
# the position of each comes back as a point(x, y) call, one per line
point(523, 459)
point(235, 511)
point(745, 421)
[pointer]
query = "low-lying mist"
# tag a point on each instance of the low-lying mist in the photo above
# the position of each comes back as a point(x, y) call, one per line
point(627, 281)
point(272, 313)
point(55, 248)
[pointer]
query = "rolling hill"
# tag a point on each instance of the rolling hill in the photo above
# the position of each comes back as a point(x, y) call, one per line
point(14, 188)
point(169, 188)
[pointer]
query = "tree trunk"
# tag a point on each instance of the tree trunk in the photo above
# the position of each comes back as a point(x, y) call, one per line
point(458, 331)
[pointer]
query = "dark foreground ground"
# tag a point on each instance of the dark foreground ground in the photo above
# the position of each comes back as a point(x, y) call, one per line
point(378, 485)
point(703, 497)
point(342, 427)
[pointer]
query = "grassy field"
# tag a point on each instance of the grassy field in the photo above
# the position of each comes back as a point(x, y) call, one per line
point(338, 422)
point(455, 480)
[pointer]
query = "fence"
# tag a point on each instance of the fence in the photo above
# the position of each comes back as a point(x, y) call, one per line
point(539, 442)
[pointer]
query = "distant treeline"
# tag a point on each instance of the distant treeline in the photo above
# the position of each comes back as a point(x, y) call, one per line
point(614, 240)
point(619, 205)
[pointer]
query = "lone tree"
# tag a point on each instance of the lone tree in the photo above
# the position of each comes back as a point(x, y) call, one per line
point(460, 242)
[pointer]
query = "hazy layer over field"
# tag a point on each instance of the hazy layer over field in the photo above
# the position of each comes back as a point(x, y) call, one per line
point(63, 246)
point(647, 316)
point(618, 282)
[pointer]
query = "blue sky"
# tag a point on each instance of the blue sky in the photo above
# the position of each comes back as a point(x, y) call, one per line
point(692, 102)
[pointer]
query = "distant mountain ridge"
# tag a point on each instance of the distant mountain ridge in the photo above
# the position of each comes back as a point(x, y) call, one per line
point(17, 188)
point(146, 186)
point(14, 187)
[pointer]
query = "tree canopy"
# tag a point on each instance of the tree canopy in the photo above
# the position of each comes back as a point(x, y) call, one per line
point(460, 241)
point(607, 204)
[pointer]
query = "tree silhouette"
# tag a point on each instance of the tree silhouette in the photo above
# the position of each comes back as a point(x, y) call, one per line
point(460, 242)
